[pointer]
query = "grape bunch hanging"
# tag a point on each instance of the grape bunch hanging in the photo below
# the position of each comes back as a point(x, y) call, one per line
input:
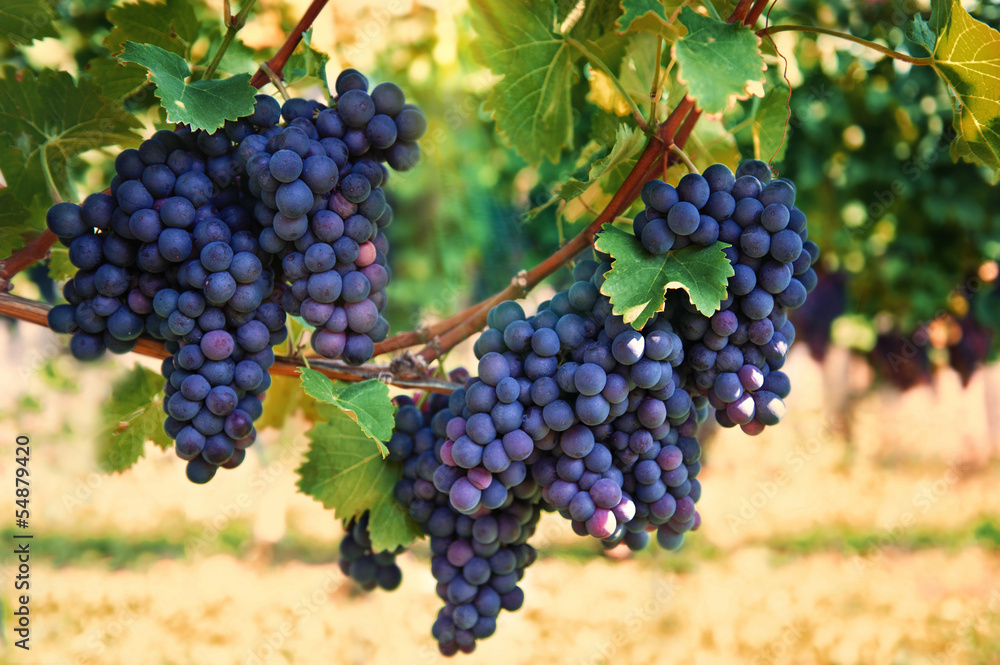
point(206, 241)
point(575, 412)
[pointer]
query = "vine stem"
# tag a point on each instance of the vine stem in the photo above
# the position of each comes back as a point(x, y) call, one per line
point(758, 8)
point(34, 251)
point(277, 63)
point(44, 158)
point(275, 78)
point(740, 13)
point(654, 92)
point(445, 334)
point(646, 167)
point(233, 25)
point(599, 63)
point(38, 248)
point(421, 335)
point(37, 313)
point(684, 158)
point(775, 29)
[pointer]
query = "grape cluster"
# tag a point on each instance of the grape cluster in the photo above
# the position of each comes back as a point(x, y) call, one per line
point(559, 418)
point(735, 356)
point(358, 561)
point(321, 203)
point(595, 412)
point(478, 559)
point(171, 252)
point(206, 240)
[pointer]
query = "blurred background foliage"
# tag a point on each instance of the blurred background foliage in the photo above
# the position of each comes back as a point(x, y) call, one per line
point(910, 238)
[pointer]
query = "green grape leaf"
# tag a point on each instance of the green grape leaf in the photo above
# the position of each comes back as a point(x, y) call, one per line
point(15, 224)
point(638, 67)
point(307, 63)
point(531, 104)
point(638, 281)
point(919, 32)
point(719, 62)
point(565, 9)
point(770, 124)
point(202, 104)
point(117, 81)
point(52, 116)
point(612, 169)
point(940, 15)
point(171, 25)
point(572, 188)
point(592, 22)
point(23, 21)
point(132, 415)
point(645, 16)
point(967, 57)
point(366, 403)
point(342, 472)
point(60, 268)
point(616, 165)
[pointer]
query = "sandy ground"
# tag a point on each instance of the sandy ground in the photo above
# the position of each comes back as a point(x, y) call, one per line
point(874, 541)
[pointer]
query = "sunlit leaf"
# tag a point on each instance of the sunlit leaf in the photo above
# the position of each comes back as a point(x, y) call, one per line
point(132, 416)
point(645, 16)
point(719, 62)
point(967, 57)
point(170, 25)
point(365, 402)
point(346, 474)
point(531, 103)
point(638, 281)
point(201, 104)
point(612, 168)
point(770, 124)
point(307, 63)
